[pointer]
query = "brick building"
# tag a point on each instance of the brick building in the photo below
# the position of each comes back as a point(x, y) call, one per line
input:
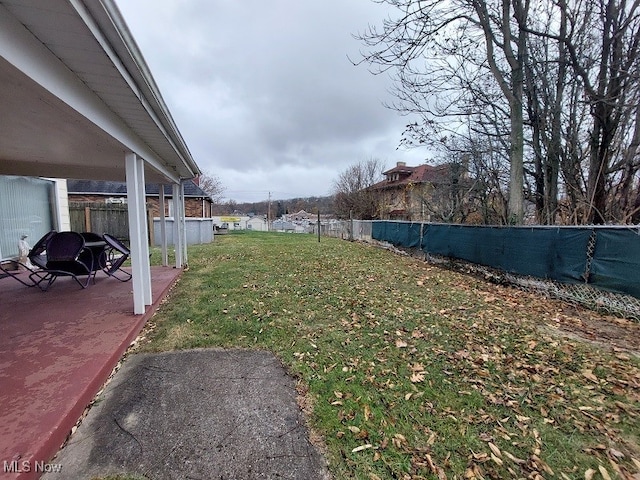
point(197, 203)
point(423, 193)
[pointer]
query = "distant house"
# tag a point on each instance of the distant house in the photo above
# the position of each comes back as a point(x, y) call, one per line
point(197, 203)
point(258, 224)
point(300, 216)
point(231, 222)
point(421, 193)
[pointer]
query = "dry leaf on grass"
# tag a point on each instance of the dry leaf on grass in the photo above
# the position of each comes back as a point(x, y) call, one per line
point(367, 413)
point(604, 472)
point(588, 374)
point(362, 447)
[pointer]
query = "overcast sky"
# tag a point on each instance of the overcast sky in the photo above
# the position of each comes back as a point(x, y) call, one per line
point(263, 91)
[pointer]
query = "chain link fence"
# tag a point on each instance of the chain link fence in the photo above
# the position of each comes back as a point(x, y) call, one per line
point(583, 294)
point(346, 229)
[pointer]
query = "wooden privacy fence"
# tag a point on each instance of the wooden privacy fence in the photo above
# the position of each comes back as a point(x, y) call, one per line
point(100, 218)
point(112, 218)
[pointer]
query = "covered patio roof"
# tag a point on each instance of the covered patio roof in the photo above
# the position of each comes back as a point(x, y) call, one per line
point(77, 95)
point(79, 102)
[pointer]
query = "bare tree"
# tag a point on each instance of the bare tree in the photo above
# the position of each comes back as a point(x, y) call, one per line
point(436, 47)
point(351, 192)
point(212, 185)
point(501, 32)
point(552, 86)
point(545, 85)
point(486, 185)
point(602, 43)
point(608, 92)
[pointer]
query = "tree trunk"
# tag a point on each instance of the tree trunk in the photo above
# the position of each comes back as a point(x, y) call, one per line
point(516, 172)
point(555, 144)
point(626, 203)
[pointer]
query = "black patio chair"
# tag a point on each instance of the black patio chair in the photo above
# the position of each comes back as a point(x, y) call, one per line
point(91, 237)
point(37, 254)
point(98, 247)
point(68, 257)
point(37, 269)
point(114, 256)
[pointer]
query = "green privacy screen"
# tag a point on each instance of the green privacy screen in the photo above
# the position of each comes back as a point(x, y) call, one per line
point(616, 261)
point(404, 234)
point(559, 254)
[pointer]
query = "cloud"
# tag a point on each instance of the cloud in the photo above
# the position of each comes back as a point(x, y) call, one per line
point(264, 93)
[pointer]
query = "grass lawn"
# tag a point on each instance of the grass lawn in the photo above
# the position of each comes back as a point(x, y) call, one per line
point(410, 370)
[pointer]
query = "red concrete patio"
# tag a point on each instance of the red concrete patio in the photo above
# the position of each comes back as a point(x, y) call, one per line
point(57, 348)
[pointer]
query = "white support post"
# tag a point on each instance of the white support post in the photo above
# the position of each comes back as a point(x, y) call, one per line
point(163, 227)
point(185, 257)
point(177, 224)
point(144, 239)
point(136, 209)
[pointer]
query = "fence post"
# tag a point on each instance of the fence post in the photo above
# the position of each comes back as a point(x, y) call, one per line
point(351, 225)
point(87, 219)
point(150, 226)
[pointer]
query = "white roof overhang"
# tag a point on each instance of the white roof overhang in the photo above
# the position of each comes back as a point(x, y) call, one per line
point(77, 96)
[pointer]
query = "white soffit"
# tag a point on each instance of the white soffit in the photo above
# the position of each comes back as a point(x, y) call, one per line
point(77, 95)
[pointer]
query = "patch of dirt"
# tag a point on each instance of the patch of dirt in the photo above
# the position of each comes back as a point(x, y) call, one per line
point(576, 322)
point(605, 331)
point(565, 319)
point(305, 404)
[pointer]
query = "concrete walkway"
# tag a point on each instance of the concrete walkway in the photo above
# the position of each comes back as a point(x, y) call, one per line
point(198, 414)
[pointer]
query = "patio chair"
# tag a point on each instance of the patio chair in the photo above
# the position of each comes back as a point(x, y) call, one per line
point(98, 247)
point(115, 254)
point(37, 254)
point(37, 257)
point(91, 237)
point(68, 257)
